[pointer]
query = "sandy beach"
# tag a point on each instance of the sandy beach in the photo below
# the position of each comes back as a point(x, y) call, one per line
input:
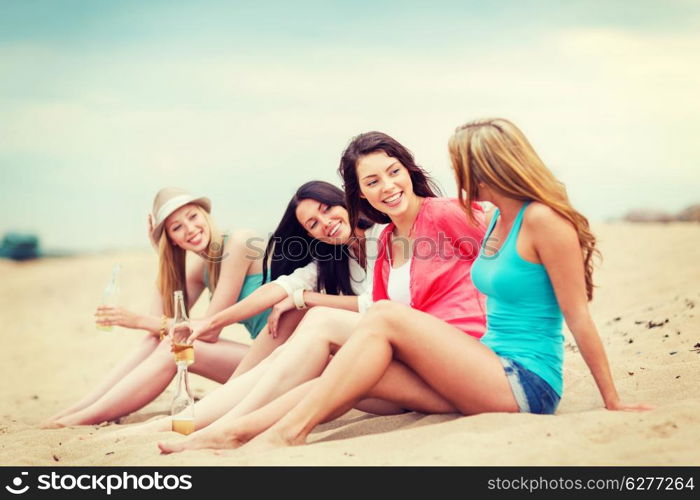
point(647, 308)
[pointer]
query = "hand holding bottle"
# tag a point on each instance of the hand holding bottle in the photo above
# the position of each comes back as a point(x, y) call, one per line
point(109, 296)
point(107, 316)
point(202, 330)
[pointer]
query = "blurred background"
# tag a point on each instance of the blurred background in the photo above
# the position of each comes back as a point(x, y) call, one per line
point(103, 103)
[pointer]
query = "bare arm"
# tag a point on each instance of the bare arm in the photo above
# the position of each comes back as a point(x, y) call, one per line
point(347, 302)
point(556, 243)
point(261, 299)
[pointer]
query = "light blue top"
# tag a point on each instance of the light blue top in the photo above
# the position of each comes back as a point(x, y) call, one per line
point(523, 318)
point(251, 283)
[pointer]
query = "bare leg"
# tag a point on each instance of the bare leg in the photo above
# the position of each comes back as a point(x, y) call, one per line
point(145, 348)
point(213, 405)
point(400, 387)
point(303, 358)
point(264, 343)
point(147, 380)
point(461, 369)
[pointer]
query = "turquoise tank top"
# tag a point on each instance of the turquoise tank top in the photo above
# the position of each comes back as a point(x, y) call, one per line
point(523, 318)
point(251, 283)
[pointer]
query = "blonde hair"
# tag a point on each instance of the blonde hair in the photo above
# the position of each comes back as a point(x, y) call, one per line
point(171, 270)
point(495, 152)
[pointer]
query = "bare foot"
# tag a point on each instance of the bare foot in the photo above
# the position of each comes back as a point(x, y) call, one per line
point(202, 439)
point(50, 423)
point(70, 420)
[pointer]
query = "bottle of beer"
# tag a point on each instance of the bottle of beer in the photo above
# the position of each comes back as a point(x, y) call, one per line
point(110, 294)
point(182, 407)
point(180, 331)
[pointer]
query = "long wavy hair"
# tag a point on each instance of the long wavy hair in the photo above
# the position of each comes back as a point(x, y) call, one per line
point(291, 247)
point(372, 142)
point(171, 264)
point(495, 152)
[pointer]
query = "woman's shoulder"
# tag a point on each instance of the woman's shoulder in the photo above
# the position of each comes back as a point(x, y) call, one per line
point(449, 212)
point(240, 234)
point(448, 205)
point(244, 242)
point(538, 213)
point(543, 219)
point(440, 203)
point(240, 238)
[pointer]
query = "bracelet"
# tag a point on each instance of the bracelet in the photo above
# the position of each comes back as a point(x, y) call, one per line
point(298, 297)
point(163, 326)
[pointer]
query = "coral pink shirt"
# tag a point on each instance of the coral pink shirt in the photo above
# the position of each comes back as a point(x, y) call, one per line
point(445, 244)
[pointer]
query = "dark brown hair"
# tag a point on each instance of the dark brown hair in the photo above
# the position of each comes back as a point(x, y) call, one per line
point(371, 142)
point(333, 273)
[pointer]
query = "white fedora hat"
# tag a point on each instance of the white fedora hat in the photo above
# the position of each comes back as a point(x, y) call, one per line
point(167, 201)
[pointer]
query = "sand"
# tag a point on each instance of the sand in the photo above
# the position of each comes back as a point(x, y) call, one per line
point(647, 309)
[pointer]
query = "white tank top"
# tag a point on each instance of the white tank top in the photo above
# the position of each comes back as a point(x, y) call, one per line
point(398, 287)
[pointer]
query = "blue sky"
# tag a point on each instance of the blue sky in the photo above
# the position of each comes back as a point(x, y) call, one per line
point(104, 102)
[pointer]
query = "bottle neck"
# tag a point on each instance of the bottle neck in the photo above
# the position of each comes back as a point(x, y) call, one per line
point(115, 274)
point(182, 379)
point(180, 311)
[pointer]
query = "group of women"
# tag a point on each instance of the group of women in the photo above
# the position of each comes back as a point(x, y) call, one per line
point(399, 300)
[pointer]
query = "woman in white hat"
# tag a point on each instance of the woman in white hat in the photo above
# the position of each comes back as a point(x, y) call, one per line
point(223, 263)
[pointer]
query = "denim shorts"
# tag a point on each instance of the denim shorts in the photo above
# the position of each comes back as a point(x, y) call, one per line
point(531, 392)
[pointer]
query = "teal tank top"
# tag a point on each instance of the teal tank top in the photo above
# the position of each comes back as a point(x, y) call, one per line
point(252, 282)
point(523, 318)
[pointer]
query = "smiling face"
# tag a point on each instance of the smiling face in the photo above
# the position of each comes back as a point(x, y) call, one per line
point(188, 228)
point(385, 183)
point(326, 223)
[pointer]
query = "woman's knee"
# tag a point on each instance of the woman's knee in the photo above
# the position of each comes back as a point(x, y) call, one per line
point(385, 312)
point(317, 315)
point(383, 320)
point(316, 322)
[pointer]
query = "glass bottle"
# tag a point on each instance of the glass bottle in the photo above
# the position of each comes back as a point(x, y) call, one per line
point(110, 294)
point(182, 407)
point(180, 331)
